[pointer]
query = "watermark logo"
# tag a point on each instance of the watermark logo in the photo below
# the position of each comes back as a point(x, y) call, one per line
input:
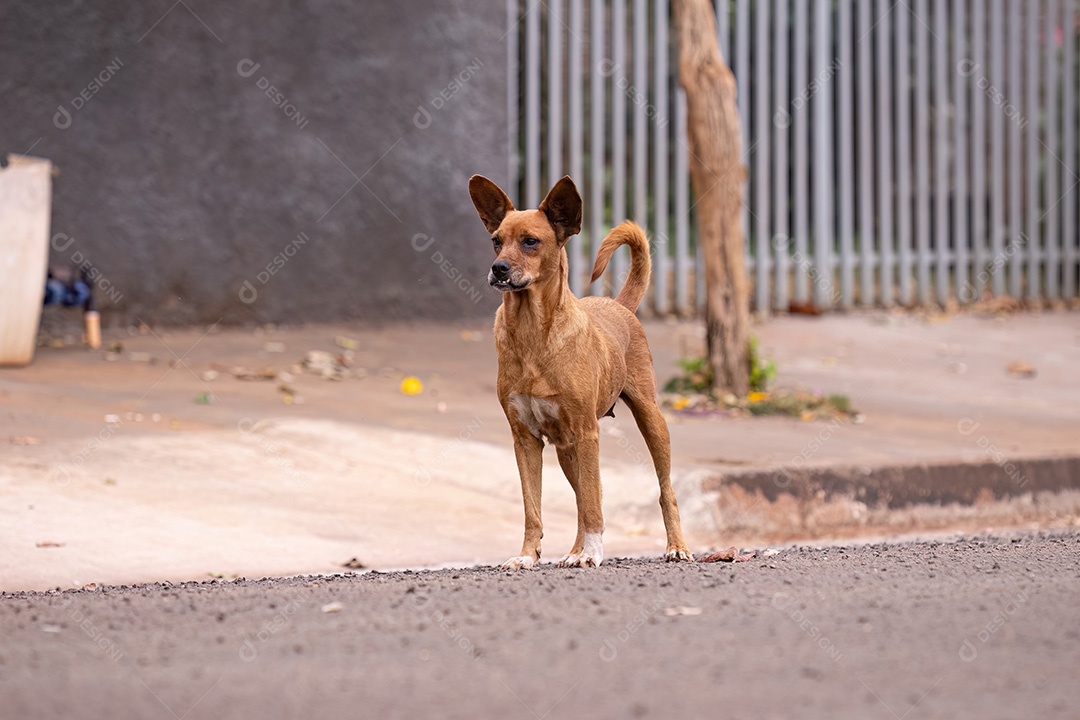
point(62, 119)
point(422, 601)
point(62, 475)
point(782, 475)
point(609, 649)
point(421, 243)
point(636, 96)
point(969, 651)
point(967, 426)
point(94, 632)
point(422, 475)
point(248, 429)
point(968, 68)
point(783, 602)
point(248, 67)
point(820, 279)
point(968, 292)
point(422, 118)
point(60, 242)
point(248, 292)
point(782, 116)
point(249, 650)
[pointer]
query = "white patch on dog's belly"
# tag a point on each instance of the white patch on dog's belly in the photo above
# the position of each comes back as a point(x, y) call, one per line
point(540, 415)
point(593, 546)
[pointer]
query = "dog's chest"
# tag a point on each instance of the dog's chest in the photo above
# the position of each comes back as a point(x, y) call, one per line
point(542, 416)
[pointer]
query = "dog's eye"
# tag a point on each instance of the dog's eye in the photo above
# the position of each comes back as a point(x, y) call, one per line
point(496, 243)
point(530, 242)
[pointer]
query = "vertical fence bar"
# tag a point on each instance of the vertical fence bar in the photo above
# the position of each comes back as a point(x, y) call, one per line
point(903, 153)
point(845, 144)
point(800, 120)
point(662, 223)
point(723, 31)
point(638, 96)
point(532, 109)
point(554, 92)
point(941, 154)
point(975, 69)
point(1052, 201)
point(1068, 166)
point(885, 88)
point(513, 104)
point(781, 122)
point(684, 290)
point(761, 157)
point(922, 151)
point(598, 65)
point(1015, 170)
point(961, 133)
point(1034, 154)
point(743, 85)
point(864, 157)
point(822, 151)
point(578, 263)
point(618, 133)
point(640, 151)
point(998, 203)
point(741, 65)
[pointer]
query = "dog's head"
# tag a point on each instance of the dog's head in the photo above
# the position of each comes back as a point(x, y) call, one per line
point(528, 243)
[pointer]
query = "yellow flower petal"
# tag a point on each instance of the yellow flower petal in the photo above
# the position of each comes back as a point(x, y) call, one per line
point(412, 386)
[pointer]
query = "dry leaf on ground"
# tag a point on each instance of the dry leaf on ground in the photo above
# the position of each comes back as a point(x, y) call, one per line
point(729, 555)
point(1019, 368)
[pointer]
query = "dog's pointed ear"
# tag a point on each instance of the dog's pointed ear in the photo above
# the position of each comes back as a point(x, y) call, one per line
point(563, 209)
point(491, 202)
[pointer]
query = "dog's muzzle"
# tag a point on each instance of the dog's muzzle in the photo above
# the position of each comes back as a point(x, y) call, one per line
point(501, 277)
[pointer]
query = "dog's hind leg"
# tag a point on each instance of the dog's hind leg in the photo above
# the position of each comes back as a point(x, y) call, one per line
point(640, 396)
point(581, 465)
point(529, 451)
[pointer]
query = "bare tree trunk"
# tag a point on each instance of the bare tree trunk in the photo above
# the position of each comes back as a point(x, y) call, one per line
point(717, 175)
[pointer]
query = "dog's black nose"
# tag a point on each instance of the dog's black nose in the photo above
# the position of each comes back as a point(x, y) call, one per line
point(501, 269)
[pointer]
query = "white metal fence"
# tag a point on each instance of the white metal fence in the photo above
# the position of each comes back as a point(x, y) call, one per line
point(898, 153)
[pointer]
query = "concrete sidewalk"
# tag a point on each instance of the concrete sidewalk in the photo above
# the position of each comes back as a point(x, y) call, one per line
point(139, 466)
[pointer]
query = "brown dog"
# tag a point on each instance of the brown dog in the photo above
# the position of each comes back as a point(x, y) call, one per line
point(564, 362)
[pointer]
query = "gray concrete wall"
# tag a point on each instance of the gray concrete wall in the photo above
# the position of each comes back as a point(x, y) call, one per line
point(199, 192)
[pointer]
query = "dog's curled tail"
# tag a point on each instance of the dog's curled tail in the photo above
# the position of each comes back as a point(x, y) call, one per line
point(637, 282)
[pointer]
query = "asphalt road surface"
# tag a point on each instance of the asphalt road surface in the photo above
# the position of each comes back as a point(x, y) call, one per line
point(984, 627)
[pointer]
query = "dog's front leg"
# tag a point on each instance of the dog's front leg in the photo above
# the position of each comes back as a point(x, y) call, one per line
point(583, 459)
point(529, 451)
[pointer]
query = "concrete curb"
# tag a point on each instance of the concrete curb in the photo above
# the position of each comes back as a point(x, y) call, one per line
point(787, 502)
point(898, 486)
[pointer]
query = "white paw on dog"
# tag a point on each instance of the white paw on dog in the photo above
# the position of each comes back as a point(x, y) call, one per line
point(522, 562)
point(591, 555)
point(583, 560)
point(678, 556)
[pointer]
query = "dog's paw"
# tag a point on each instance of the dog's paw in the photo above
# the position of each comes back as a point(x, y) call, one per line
point(679, 555)
point(591, 553)
point(582, 560)
point(522, 562)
